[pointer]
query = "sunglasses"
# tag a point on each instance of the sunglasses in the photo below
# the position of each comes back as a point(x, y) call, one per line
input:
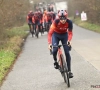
point(62, 18)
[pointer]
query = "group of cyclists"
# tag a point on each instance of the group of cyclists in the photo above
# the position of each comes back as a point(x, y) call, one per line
point(60, 29)
point(39, 21)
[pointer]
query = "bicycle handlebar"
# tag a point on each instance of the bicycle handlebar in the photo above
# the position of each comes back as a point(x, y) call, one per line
point(58, 46)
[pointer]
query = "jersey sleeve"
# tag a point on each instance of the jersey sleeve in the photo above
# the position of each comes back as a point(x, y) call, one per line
point(33, 21)
point(70, 33)
point(51, 30)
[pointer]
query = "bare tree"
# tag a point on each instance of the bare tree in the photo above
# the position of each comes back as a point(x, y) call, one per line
point(91, 7)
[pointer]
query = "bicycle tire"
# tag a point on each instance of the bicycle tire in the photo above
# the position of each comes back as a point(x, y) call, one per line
point(32, 31)
point(42, 30)
point(32, 34)
point(65, 71)
point(49, 26)
point(37, 33)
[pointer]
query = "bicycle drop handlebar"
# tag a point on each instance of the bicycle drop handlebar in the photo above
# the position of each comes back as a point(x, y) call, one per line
point(58, 46)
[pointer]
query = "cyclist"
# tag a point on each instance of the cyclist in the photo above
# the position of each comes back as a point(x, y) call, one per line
point(41, 21)
point(50, 8)
point(61, 30)
point(53, 14)
point(44, 19)
point(36, 20)
point(29, 19)
point(49, 20)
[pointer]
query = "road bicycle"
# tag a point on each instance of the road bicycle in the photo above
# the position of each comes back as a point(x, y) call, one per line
point(62, 64)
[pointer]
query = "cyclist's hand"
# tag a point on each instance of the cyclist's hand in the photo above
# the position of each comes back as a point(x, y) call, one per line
point(68, 43)
point(49, 46)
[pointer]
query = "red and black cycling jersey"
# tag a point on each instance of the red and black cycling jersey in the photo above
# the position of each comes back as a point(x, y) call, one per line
point(49, 16)
point(41, 15)
point(29, 17)
point(36, 17)
point(60, 28)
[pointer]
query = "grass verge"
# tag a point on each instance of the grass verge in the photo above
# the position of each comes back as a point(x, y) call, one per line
point(11, 48)
point(87, 25)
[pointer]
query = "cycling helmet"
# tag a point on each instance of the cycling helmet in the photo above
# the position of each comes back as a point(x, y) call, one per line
point(62, 14)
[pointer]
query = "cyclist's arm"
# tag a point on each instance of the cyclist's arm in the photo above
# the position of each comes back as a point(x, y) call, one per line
point(33, 20)
point(27, 18)
point(46, 18)
point(43, 19)
point(70, 33)
point(51, 30)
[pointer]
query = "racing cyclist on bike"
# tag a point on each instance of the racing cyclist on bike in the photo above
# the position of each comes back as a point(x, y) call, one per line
point(41, 21)
point(36, 21)
point(49, 20)
point(29, 19)
point(61, 30)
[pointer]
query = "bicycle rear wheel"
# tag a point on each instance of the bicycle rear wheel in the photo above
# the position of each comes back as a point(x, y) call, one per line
point(32, 30)
point(65, 71)
point(42, 30)
point(37, 33)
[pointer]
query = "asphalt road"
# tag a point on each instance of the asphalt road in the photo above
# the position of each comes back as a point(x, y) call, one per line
point(34, 69)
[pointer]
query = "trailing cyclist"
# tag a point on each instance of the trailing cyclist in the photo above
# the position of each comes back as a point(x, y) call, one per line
point(44, 19)
point(53, 15)
point(41, 21)
point(36, 21)
point(29, 19)
point(48, 20)
point(61, 30)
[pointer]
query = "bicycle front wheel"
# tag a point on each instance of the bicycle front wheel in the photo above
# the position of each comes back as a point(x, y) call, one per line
point(65, 71)
point(37, 33)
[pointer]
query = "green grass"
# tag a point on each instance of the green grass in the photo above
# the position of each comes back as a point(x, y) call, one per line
point(17, 31)
point(10, 48)
point(6, 59)
point(87, 25)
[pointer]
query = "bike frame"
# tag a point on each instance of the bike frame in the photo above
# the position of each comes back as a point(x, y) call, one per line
point(59, 55)
point(62, 64)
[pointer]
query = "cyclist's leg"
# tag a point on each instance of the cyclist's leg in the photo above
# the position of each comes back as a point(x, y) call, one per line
point(32, 28)
point(49, 24)
point(29, 27)
point(55, 42)
point(46, 26)
point(35, 27)
point(67, 54)
point(40, 28)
